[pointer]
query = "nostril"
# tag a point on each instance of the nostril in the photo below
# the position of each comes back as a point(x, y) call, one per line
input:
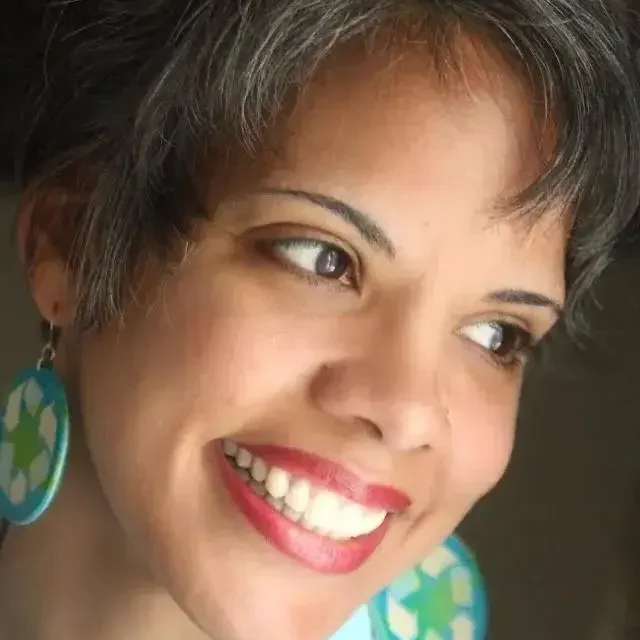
point(372, 428)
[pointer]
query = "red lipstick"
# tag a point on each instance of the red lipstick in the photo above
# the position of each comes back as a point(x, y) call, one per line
point(332, 476)
point(317, 552)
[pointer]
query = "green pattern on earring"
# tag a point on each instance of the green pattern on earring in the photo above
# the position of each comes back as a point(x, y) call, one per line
point(34, 442)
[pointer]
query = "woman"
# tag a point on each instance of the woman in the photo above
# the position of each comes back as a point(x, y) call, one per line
point(291, 257)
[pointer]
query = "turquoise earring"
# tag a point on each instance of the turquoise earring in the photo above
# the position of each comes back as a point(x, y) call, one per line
point(34, 439)
point(442, 598)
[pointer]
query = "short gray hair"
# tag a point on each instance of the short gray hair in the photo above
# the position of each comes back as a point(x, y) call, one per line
point(125, 96)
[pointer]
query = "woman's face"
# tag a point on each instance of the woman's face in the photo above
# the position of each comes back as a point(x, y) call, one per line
point(351, 325)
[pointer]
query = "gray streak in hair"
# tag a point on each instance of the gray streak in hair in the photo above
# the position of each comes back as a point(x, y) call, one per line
point(128, 96)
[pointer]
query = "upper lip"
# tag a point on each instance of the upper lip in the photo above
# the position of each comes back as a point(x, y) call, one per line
point(331, 475)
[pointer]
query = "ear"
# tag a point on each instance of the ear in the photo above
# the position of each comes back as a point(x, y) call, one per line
point(45, 234)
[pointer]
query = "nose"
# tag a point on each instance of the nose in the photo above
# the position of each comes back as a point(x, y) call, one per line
point(391, 384)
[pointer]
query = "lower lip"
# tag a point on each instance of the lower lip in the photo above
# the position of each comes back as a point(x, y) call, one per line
point(310, 549)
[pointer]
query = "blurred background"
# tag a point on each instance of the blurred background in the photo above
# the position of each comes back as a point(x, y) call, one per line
point(548, 537)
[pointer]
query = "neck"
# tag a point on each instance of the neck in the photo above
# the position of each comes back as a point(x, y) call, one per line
point(72, 576)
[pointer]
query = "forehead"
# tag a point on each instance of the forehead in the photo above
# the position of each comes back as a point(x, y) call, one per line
point(375, 115)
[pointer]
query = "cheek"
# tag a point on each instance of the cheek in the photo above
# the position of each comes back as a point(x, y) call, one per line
point(207, 359)
point(483, 420)
point(248, 357)
point(237, 361)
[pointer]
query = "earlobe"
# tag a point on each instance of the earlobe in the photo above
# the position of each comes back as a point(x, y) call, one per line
point(51, 288)
point(44, 261)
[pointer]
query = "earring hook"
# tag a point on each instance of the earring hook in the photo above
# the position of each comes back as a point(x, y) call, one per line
point(48, 352)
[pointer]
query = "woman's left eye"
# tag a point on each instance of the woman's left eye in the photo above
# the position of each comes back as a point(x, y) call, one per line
point(315, 258)
point(507, 343)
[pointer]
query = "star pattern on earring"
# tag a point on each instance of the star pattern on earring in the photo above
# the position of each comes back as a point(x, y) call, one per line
point(27, 442)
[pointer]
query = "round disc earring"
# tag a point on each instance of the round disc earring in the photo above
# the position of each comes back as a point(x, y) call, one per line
point(442, 598)
point(34, 439)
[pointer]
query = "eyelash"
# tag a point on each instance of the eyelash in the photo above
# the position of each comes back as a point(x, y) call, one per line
point(346, 266)
point(520, 340)
point(520, 344)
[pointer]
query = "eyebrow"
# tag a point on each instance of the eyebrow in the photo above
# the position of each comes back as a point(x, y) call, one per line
point(362, 222)
point(379, 240)
point(529, 298)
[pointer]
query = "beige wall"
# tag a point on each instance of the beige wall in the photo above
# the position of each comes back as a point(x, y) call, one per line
point(545, 538)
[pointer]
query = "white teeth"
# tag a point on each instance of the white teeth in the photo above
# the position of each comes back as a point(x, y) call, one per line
point(319, 510)
point(230, 448)
point(351, 518)
point(276, 503)
point(294, 516)
point(324, 510)
point(278, 482)
point(243, 459)
point(259, 470)
point(258, 488)
point(298, 495)
point(374, 519)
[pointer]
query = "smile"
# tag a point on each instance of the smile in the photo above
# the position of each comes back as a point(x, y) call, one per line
point(311, 509)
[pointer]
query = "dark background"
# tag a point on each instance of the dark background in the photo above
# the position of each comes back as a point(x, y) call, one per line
point(548, 537)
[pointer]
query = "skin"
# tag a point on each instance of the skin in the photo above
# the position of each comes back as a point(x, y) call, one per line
point(389, 376)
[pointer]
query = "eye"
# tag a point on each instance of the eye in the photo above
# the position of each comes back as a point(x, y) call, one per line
point(315, 258)
point(507, 343)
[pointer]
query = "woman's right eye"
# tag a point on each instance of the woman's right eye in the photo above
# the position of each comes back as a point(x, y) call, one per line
point(315, 259)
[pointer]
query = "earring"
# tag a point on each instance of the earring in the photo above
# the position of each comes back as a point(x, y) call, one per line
point(34, 439)
point(442, 597)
